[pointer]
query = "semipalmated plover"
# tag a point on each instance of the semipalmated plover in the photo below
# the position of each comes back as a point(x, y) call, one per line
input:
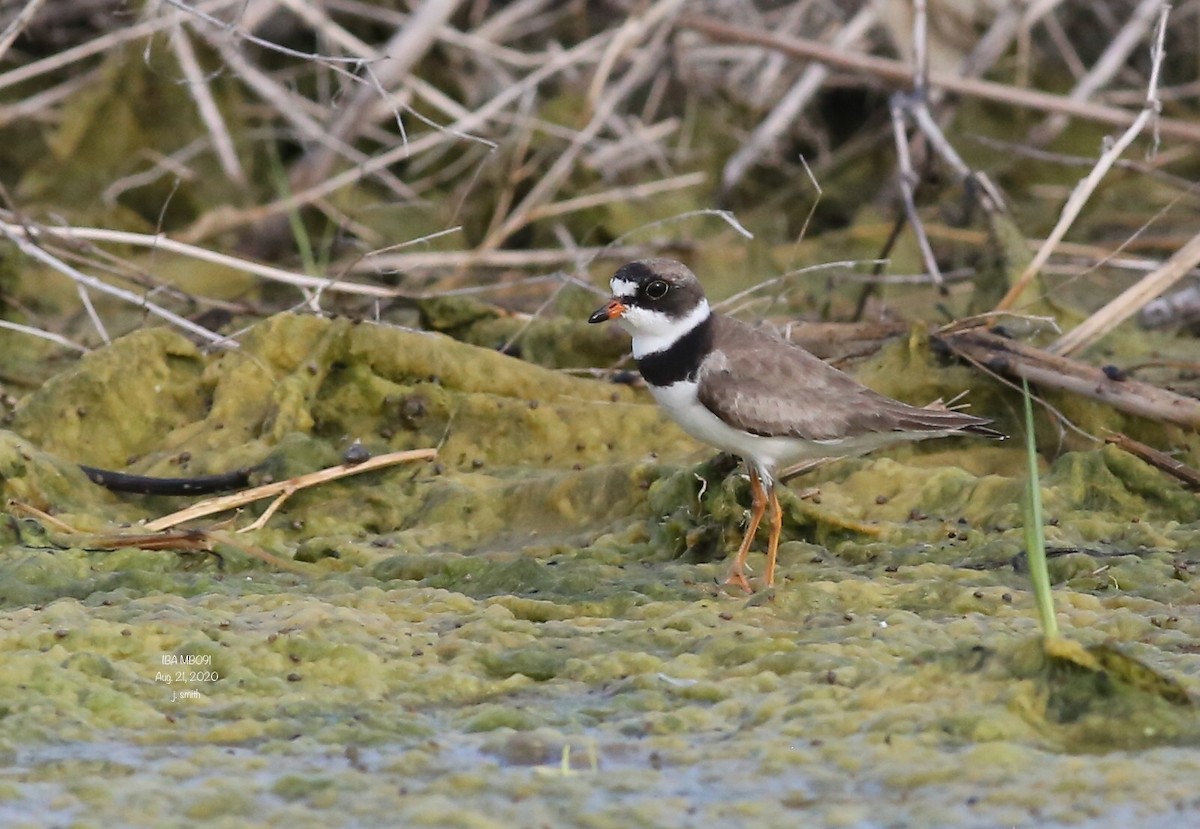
point(748, 391)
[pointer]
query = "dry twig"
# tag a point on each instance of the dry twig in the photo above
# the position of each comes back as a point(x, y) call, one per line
point(18, 236)
point(1130, 301)
point(1160, 460)
point(784, 113)
point(1057, 372)
point(1085, 188)
point(284, 489)
point(897, 74)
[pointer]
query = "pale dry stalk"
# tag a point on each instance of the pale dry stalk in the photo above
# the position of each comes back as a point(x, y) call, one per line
point(17, 25)
point(397, 57)
point(784, 113)
point(210, 114)
point(99, 45)
point(1083, 191)
point(1105, 68)
point(1130, 301)
point(553, 178)
point(899, 74)
point(19, 237)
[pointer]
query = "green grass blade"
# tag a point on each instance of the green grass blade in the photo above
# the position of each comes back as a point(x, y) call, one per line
point(295, 221)
point(1035, 536)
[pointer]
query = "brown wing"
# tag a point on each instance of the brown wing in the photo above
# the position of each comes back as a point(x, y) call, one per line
point(759, 382)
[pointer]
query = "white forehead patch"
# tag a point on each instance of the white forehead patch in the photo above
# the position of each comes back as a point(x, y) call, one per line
point(626, 288)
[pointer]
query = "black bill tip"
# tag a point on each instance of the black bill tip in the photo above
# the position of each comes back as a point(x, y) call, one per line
point(611, 310)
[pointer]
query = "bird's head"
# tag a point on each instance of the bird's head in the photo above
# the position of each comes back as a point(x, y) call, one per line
point(655, 300)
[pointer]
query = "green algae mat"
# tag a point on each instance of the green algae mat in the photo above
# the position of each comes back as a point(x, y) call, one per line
point(529, 630)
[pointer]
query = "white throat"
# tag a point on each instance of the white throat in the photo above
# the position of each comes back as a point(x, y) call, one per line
point(655, 331)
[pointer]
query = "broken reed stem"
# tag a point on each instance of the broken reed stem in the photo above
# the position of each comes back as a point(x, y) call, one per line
point(1130, 301)
point(17, 25)
point(18, 236)
point(900, 75)
point(274, 490)
point(1178, 470)
point(1015, 359)
point(1083, 191)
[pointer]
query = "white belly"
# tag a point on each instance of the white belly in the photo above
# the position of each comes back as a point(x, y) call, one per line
point(765, 453)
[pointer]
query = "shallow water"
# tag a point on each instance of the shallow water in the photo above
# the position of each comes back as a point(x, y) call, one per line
point(349, 704)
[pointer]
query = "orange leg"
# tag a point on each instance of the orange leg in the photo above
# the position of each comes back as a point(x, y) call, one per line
point(737, 573)
point(773, 543)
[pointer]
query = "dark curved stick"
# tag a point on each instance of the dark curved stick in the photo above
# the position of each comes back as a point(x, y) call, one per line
point(146, 485)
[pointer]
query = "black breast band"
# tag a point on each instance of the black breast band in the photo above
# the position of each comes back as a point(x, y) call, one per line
point(680, 361)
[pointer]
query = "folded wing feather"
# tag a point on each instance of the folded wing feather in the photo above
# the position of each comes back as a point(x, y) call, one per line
point(788, 392)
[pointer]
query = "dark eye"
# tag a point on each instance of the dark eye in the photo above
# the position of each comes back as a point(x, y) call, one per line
point(657, 289)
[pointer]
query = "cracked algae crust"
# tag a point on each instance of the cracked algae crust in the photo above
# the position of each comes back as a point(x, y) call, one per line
point(513, 437)
point(117, 401)
point(389, 387)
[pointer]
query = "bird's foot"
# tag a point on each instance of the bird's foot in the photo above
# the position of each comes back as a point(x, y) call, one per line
point(737, 577)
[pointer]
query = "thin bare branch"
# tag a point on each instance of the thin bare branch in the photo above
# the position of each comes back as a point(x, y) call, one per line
point(777, 280)
point(1085, 188)
point(633, 193)
point(1130, 301)
point(100, 45)
point(161, 242)
point(784, 114)
point(1103, 70)
point(40, 105)
point(407, 46)
point(17, 25)
point(206, 106)
point(222, 222)
point(453, 259)
point(243, 34)
point(899, 75)
point(908, 181)
point(553, 178)
point(17, 235)
point(57, 339)
point(291, 106)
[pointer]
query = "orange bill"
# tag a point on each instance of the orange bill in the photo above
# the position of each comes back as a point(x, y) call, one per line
point(613, 309)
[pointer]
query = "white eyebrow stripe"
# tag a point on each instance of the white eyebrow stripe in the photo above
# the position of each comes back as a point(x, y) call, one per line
point(623, 287)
